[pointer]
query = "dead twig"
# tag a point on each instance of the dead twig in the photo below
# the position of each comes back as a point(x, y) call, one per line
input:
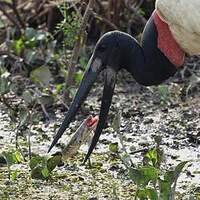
point(3, 10)
point(38, 94)
point(30, 117)
point(18, 22)
point(143, 150)
point(14, 7)
point(10, 55)
point(134, 10)
point(76, 49)
point(104, 20)
point(6, 103)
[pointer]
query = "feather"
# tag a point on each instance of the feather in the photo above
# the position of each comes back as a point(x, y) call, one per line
point(183, 18)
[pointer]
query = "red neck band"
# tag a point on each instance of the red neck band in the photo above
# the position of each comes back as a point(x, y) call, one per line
point(166, 42)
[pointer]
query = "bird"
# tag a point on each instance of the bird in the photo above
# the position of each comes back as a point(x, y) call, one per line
point(171, 33)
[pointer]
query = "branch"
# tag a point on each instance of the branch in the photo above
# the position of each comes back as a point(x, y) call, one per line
point(76, 49)
point(106, 21)
point(14, 7)
point(2, 9)
point(135, 11)
point(6, 103)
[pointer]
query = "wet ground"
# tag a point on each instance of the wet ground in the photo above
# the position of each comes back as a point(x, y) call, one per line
point(147, 113)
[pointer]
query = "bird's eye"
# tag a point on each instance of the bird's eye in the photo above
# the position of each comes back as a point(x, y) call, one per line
point(101, 47)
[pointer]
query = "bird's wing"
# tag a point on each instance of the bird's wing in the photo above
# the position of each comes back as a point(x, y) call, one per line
point(183, 18)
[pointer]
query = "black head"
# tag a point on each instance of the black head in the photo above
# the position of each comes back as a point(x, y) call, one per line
point(110, 55)
point(113, 49)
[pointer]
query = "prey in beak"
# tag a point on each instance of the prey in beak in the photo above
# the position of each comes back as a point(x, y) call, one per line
point(81, 136)
point(106, 57)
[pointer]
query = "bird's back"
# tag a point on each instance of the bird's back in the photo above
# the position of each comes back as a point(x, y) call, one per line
point(183, 18)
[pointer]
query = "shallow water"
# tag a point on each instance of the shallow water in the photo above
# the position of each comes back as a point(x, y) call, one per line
point(143, 118)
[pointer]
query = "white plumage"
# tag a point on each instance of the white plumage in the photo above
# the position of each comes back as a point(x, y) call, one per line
point(183, 18)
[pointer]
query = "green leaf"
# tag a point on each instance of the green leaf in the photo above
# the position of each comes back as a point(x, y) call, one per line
point(142, 176)
point(164, 92)
point(36, 160)
point(30, 33)
point(18, 156)
point(179, 168)
point(12, 157)
point(38, 165)
point(152, 193)
point(152, 156)
point(30, 56)
point(41, 75)
point(177, 172)
point(147, 194)
point(149, 174)
point(4, 86)
point(9, 158)
point(18, 46)
point(53, 162)
point(78, 76)
point(45, 172)
point(30, 44)
point(165, 189)
point(14, 175)
point(135, 175)
point(36, 173)
point(141, 194)
point(28, 97)
point(59, 88)
point(113, 147)
point(83, 62)
point(169, 176)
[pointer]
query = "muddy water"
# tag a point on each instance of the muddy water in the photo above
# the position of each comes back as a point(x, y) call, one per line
point(144, 116)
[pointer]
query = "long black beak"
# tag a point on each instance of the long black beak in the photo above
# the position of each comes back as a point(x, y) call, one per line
point(94, 68)
point(109, 85)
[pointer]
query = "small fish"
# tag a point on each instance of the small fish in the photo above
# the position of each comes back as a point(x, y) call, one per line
point(81, 136)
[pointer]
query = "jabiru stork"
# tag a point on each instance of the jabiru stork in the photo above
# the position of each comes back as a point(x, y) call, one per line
point(172, 31)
